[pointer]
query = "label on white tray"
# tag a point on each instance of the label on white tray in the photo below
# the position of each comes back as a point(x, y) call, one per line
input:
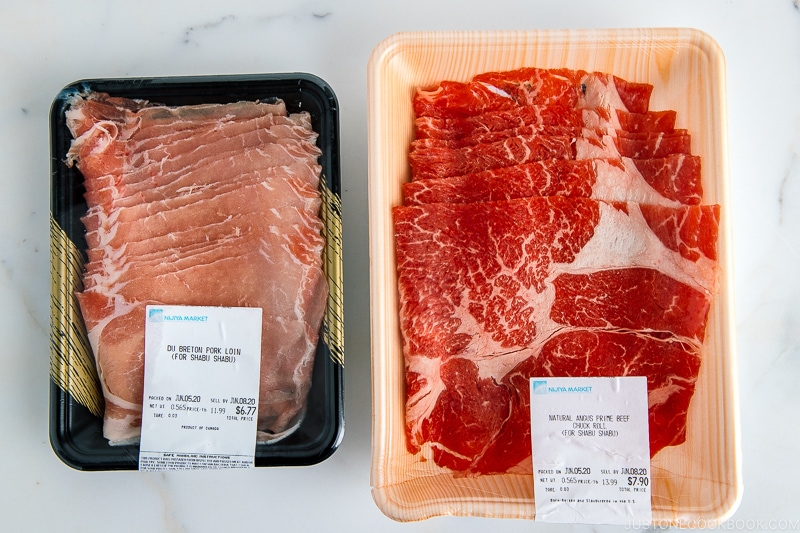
point(591, 450)
point(201, 380)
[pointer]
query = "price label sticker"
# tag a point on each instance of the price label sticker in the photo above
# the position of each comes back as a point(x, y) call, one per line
point(591, 450)
point(201, 381)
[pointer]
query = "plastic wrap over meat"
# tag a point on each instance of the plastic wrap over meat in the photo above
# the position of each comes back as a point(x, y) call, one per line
point(213, 204)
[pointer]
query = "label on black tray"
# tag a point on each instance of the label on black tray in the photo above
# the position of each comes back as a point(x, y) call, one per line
point(591, 450)
point(201, 381)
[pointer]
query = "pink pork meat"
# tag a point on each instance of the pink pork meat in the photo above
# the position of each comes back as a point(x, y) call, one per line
point(200, 205)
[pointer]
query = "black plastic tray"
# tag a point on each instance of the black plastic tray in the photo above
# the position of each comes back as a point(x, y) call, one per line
point(76, 433)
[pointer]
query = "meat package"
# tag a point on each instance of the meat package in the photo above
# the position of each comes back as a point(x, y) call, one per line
point(201, 192)
point(554, 225)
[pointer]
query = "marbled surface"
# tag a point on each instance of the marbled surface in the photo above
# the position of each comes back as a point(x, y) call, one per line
point(45, 45)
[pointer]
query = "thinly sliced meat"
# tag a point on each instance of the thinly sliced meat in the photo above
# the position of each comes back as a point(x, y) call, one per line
point(166, 216)
point(549, 177)
point(444, 162)
point(550, 118)
point(511, 277)
point(627, 141)
point(225, 168)
point(540, 117)
point(531, 86)
point(434, 160)
point(171, 247)
point(490, 136)
point(671, 368)
point(200, 205)
point(642, 299)
point(495, 262)
point(659, 181)
point(101, 222)
point(465, 399)
point(249, 260)
point(228, 137)
point(109, 153)
point(117, 340)
point(297, 194)
point(86, 111)
point(576, 87)
point(691, 233)
point(288, 339)
point(284, 151)
point(228, 175)
point(651, 147)
point(601, 262)
point(646, 122)
point(677, 176)
point(289, 230)
point(102, 127)
point(601, 179)
point(654, 146)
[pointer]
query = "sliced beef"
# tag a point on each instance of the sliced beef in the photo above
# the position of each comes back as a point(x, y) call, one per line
point(598, 259)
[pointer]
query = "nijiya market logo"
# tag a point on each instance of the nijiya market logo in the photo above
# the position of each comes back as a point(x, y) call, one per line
point(155, 315)
point(541, 387)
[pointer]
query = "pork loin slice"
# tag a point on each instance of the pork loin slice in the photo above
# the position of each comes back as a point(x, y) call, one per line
point(168, 216)
point(298, 194)
point(154, 120)
point(124, 177)
point(230, 140)
point(288, 186)
point(173, 247)
point(287, 228)
point(142, 150)
point(302, 177)
point(109, 275)
point(223, 169)
point(102, 125)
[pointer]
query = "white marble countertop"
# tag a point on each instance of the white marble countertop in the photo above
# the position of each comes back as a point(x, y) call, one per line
point(45, 45)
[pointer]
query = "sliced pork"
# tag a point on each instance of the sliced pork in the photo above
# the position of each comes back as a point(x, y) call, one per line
point(214, 205)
